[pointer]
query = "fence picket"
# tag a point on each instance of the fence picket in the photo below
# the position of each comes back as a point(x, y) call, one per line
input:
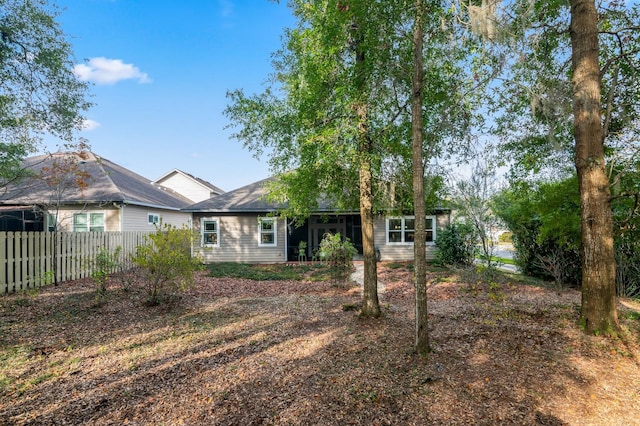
point(4, 265)
point(34, 259)
point(11, 263)
point(31, 269)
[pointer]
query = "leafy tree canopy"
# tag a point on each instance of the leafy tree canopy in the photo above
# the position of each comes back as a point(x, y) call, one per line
point(307, 119)
point(39, 93)
point(532, 100)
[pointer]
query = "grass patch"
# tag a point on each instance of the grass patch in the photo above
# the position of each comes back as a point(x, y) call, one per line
point(270, 272)
point(397, 265)
point(631, 315)
point(496, 259)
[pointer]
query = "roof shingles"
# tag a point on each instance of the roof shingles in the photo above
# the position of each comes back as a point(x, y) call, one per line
point(106, 182)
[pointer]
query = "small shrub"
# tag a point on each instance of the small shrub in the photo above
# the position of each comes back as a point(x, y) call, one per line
point(456, 245)
point(350, 307)
point(104, 265)
point(338, 253)
point(166, 262)
point(49, 277)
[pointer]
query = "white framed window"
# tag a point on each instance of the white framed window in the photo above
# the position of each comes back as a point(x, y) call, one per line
point(153, 219)
point(401, 230)
point(267, 232)
point(210, 228)
point(88, 222)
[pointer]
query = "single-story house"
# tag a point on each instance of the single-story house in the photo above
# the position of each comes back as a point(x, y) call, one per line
point(240, 226)
point(189, 186)
point(85, 192)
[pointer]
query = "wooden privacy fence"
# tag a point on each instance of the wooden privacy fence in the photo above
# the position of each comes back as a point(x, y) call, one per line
point(33, 259)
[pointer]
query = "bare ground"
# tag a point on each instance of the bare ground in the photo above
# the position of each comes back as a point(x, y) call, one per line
point(240, 352)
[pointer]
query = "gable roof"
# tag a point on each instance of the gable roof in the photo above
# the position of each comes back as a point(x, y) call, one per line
point(205, 184)
point(253, 198)
point(249, 198)
point(106, 182)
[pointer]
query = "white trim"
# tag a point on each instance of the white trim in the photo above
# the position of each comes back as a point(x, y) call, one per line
point(217, 231)
point(154, 215)
point(286, 239)
point(88, 215)
point(402, 230)
point(274, 231)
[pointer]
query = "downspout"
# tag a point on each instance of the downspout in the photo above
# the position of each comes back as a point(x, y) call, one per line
point(193, 238)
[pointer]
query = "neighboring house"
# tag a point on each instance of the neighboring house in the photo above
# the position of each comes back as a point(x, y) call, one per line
point(189, 186)
point(239, 226)
point(84, 192)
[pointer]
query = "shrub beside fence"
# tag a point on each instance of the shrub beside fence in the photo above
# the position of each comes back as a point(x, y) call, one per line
point(32, 259)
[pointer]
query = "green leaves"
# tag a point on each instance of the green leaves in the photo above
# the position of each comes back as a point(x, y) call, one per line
point(167, 261)
point(343, 61)
point(39, 93)
point(533, 97)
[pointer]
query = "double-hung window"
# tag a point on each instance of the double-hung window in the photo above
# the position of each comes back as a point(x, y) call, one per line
point(401, 230)
point(88, 222)
point(267, 232)
point(210, 232)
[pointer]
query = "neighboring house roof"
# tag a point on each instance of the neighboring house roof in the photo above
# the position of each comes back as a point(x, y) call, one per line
point(106, 182)
point(207, 185)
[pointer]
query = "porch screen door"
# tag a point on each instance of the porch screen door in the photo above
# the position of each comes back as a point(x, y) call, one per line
point(318, 227)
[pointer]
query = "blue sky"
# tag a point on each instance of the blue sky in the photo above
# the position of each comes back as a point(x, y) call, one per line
point(160, 72)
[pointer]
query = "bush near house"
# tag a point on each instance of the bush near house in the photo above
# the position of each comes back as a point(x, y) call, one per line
point(338, 252)
point(166, 261)
point(456, 245)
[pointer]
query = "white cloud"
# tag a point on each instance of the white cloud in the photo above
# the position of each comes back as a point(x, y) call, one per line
point(89, 125)
point(109, 71)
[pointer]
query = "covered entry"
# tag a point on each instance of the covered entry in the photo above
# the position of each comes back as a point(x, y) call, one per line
point(348, 225)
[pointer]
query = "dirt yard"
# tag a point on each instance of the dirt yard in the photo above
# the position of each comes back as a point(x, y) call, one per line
point(241, 352)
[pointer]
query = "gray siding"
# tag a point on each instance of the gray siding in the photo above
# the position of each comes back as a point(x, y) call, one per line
point(402, 252)
point(65, 216)
point(238, 240)
point(135, 218)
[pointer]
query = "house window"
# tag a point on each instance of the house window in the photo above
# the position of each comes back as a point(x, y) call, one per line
point(153, 219)
point(401, 230)
point(52, 222)
point(91, 222)
point(210, 232)
point(267, 232)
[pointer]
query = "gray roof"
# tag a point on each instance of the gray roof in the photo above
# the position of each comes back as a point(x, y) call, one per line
point(252, 198)
point(106, 182)
point(249, 198)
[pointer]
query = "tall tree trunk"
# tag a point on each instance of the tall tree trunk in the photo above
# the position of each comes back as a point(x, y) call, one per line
point(419, 244)
point(370, 303)
point(599, 313)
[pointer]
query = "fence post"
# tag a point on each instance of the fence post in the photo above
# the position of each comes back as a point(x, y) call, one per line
point(4, 264)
